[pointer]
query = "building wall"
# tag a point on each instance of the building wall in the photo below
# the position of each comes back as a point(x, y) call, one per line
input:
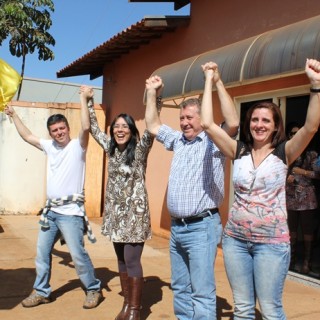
point(23, 167)
point(213, 24)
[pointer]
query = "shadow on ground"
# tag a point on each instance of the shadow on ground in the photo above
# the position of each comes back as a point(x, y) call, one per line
point(16, 284)
point(224, 310)
point(152, 294)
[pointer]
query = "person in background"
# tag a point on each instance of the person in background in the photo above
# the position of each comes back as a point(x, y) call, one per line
point(301, 201)
point(126, 219)
point(64, 214)
point(195, 192)
point(256, 240)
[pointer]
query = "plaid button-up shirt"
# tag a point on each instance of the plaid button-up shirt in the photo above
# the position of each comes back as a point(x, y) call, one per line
point(196, 180)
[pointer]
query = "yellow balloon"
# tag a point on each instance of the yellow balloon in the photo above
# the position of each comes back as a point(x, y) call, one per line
point(9, 83)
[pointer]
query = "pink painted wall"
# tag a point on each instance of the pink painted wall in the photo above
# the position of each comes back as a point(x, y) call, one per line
point(213, 24)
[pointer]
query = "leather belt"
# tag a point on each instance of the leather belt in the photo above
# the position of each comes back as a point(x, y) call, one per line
point(198, 217)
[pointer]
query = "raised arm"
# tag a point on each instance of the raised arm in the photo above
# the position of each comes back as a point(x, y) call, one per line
point(154, 87)
point(89, 115)
point(86, 95)
point(296, 145)
point(221, 137)
point(228, 108)
point(23, 131)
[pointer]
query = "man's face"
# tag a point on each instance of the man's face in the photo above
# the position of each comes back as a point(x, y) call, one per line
point(60, 133)
point(190, 122)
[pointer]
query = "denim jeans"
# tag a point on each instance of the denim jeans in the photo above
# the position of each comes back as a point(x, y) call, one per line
point(193, 248)
point(256, 270)
point(72, 228)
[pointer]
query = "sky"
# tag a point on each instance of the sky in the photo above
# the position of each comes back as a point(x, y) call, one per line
point(79, 26)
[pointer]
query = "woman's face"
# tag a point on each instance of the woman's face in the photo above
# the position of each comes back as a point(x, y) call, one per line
point(262, 125)
point(122, 133)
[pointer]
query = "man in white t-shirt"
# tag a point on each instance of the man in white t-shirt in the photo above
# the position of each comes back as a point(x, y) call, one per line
point(64, 215)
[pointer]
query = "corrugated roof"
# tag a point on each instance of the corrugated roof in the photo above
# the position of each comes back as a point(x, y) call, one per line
point(132, 38)
point(50, 91)
point(271, 54)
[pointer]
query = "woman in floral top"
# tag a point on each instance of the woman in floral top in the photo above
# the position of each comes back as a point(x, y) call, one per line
point(302, 201)
point(256, 237)
point(126, 220)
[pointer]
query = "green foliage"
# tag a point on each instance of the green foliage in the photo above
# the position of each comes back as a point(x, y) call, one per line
point(26, 23)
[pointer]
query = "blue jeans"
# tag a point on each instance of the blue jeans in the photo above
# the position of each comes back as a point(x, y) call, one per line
point(256, 270)
point(72, 228)
point(193, 249)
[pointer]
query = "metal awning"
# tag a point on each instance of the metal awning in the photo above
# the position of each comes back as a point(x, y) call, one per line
point(268, 55)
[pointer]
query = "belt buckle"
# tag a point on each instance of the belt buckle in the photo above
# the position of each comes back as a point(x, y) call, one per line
point(212, 211)
point(205, 213)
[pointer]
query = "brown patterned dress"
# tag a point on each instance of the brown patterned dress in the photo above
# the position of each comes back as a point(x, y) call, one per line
point(126, 210)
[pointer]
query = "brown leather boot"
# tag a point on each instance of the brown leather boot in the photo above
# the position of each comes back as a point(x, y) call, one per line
point(125, 293)
point(135, 292)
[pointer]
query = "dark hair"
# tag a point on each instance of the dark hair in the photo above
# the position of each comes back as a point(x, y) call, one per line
point(131, 144)
point(278, 135)
point(290, 126)
point(56, 118)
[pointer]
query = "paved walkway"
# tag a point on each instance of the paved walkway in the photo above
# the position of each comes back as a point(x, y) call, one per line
point(18, 234)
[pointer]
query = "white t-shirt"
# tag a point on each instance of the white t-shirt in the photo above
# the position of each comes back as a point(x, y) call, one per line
point(65, 172)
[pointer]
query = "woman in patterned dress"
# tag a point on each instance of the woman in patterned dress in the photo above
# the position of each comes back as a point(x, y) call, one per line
point(256, 240)
point(126, 220)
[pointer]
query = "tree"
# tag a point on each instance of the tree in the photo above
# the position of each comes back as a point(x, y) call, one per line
point(27, 22)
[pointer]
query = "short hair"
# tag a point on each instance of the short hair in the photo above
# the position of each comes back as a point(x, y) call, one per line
point(56, 118)
point(191, 102)
point(278, 136)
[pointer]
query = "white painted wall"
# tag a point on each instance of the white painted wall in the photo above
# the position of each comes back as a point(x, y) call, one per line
point(22, 166)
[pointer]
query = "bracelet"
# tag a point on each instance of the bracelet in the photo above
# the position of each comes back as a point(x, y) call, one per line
point(315, 90)
point(159, 102)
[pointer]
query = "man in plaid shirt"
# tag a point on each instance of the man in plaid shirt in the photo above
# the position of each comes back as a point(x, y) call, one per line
point(195, 192)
